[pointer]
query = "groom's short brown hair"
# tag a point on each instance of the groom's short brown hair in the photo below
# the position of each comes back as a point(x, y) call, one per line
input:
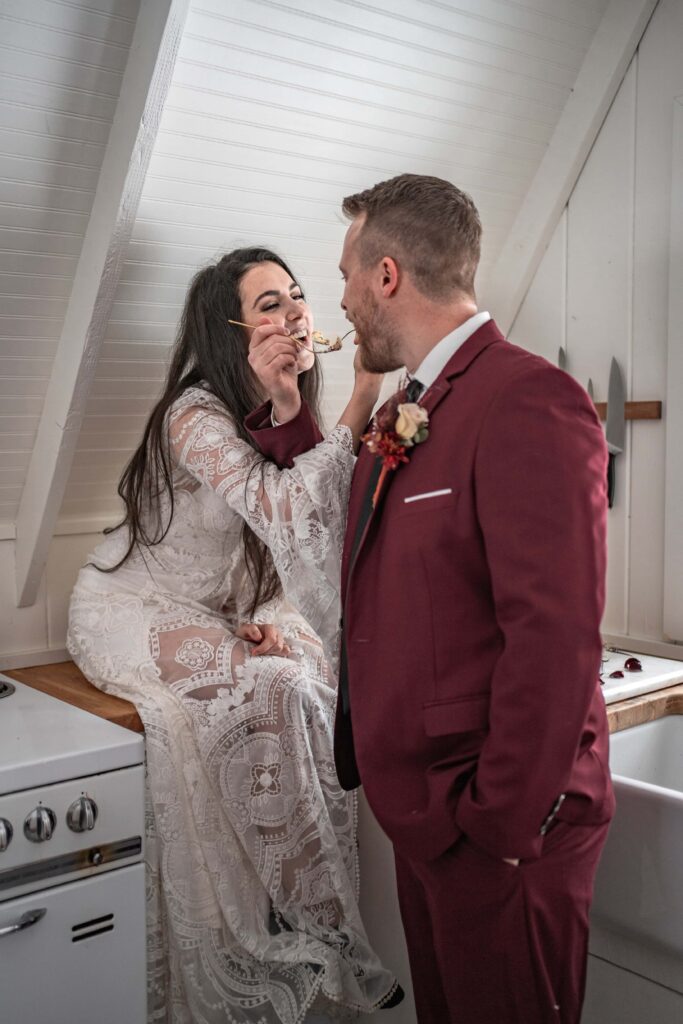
point(430, 227)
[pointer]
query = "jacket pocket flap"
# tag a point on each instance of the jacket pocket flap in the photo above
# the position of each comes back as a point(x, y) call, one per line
point(465, 714)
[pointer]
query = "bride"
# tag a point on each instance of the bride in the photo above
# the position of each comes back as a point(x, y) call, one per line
point(251, 843)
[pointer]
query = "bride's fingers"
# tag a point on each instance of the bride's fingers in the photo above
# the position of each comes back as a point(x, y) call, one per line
point(273, 642)
point(249, 631)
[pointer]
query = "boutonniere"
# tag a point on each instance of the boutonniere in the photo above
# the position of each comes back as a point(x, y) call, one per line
point(398, 426)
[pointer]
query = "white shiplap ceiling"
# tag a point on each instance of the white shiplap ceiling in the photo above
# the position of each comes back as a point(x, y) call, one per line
point(276, 111)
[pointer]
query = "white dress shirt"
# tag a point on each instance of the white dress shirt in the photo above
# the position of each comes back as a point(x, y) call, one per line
point(435, 360)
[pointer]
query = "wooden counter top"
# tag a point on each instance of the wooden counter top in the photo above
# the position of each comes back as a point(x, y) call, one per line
point(68, 683)
point(626, 713)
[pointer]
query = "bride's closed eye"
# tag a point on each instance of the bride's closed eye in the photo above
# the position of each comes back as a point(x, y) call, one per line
point(274, 305)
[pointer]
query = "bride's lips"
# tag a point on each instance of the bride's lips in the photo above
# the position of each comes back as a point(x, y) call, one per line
point(303, 338)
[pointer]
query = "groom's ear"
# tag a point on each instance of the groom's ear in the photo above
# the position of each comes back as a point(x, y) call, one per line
point(389, 276)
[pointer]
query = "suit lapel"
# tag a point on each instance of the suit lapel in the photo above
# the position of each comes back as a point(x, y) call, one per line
point(458, 364)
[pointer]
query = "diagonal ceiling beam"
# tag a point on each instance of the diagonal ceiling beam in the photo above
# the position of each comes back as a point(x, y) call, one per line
point(144, 88)
point(614, 45)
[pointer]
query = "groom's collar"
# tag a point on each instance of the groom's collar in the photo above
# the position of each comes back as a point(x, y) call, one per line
point(439, 356)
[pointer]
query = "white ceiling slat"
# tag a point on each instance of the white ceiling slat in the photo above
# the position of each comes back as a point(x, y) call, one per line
point(25, 90)
point(323, 158)
point(39, 146)
point(292, 81)
point(37, 285)
point(29, 387)
point(401, 44)
point(17, 442)
point(121, 10)
point(146, 79)
point(11, 461)
point(536, 19)
point(334, 67)
point(18, 116)
point(29, 263)
point(487, 40)
point(22, 35)
point(256, 190)
point(606, 62)
point(26, 218)
point(47, 172)
point(28, 348)
point(37, 196)
point(188, 111)
point(75, 18)
point(58, 243)
point(200, 85)
point(60, 70)
point(21, 405)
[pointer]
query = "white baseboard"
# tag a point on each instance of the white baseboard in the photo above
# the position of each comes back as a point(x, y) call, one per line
point(27, 659)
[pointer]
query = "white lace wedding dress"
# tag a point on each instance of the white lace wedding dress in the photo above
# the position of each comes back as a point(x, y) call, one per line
point(251, 847)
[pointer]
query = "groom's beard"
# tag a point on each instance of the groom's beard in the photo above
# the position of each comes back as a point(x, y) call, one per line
point(377, 340)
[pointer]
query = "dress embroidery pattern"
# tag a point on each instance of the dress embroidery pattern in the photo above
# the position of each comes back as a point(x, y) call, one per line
point(251, 844)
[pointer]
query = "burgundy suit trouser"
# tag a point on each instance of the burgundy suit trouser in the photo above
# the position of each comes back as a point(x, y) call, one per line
point(490, 943)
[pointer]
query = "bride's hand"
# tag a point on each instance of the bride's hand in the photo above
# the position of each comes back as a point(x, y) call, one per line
point(273, 358)
point(268, 638)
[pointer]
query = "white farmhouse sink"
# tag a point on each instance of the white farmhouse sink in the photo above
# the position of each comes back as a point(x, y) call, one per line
point(638, 904)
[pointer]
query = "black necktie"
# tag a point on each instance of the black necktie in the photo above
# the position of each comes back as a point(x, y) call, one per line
point(414, 390)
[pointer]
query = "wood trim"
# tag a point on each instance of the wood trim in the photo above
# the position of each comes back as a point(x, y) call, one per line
point(647, 708)
point(634, 410)
point(613, 47)
point(145, 85)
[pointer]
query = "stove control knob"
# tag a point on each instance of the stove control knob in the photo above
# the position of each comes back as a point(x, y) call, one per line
point(6, 833)
point(82, 815)
point(40, 824)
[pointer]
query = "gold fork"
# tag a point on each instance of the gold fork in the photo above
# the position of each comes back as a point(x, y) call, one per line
point(320, 348)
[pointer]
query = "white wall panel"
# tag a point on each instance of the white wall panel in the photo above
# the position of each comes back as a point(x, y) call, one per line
point(660, 79)
point(599, 298)
point(61, 64)
point(21, 629)
point(541, 323)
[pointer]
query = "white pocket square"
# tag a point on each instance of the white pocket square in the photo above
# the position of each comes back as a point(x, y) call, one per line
point(428, 494)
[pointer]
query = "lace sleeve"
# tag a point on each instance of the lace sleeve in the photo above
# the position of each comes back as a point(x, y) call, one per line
point(300, 513)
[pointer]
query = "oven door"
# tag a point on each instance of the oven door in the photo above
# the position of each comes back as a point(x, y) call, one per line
point(75, 953)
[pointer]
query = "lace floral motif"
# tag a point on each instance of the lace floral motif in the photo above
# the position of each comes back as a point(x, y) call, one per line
point(251, 845)
point(195, 653)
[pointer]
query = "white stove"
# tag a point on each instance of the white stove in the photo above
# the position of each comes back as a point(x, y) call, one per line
point(72, 891)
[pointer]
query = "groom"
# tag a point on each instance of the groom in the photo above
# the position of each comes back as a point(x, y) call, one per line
point(473, 586)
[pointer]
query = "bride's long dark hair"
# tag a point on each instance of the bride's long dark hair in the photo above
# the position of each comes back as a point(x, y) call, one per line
point(211, 352)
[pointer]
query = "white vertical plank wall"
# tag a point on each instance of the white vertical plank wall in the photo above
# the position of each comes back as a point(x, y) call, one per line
point(660, 80)
point(673, 506)
point(615, 271)
point(599, 299)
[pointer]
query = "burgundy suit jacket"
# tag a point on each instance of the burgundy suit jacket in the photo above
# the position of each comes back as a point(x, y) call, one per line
point(472, 611)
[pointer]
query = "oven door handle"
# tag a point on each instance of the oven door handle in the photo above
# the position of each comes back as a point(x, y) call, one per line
point(25, 921)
